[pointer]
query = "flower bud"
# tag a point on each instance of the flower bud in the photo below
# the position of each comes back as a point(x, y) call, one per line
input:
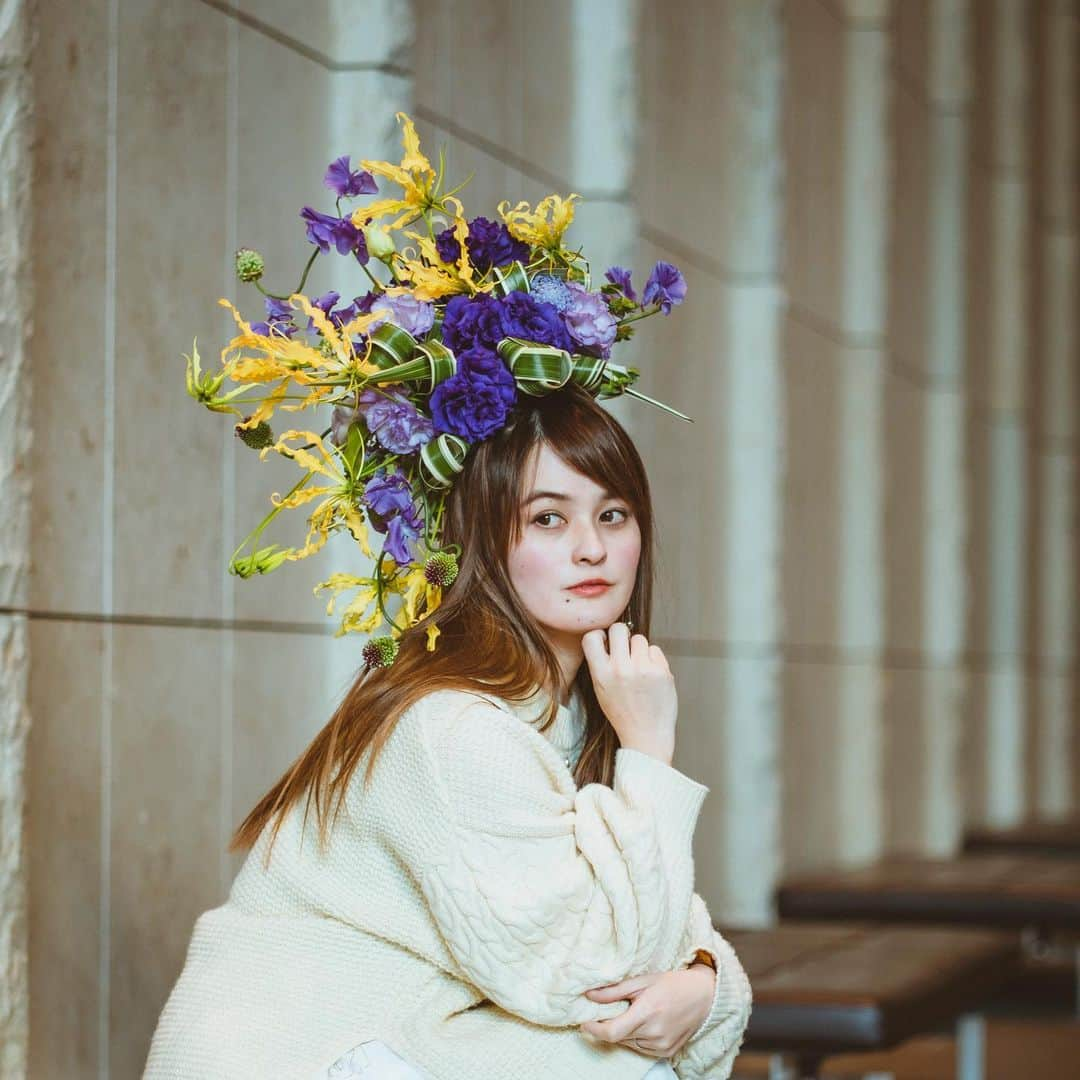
point(380, 652)
point(441, 569)
point(249, 264)
point(380, 244)
point(256, 437)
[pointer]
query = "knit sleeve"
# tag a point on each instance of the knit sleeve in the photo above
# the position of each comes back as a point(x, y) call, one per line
point(711, 1050)
point(542, 891)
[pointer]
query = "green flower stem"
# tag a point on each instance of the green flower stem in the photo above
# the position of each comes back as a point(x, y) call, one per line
point(379, 286)
point(255, 533)
point(379, 595)
point(644, 314)
point(299, 288)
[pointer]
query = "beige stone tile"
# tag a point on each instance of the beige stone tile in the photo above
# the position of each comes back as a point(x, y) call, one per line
point(63, 846)
point(166, 836)
point(905, 751)
point(978, 328)
point(433, 62)
point(548, 85)
point(911, 43)
point(904, 506)
point(67, 348)
point(708, 175)
point(170, 260)
point(813, 374)
point(977, 549)
point(285, 689)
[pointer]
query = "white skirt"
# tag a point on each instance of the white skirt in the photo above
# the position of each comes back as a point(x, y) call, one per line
point(374, 1060)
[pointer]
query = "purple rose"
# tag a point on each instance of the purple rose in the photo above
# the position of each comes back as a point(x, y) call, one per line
point(324, 230)
point(472, 406)
point(475, 321)
point(344, 182)
point(394, 421)
point(406, 311)
point(589, 320)
point(480, 360)
point(666, 286)
point(620, 276)
point(523, 316)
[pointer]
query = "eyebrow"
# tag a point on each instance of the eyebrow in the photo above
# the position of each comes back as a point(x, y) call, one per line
point(561, 496)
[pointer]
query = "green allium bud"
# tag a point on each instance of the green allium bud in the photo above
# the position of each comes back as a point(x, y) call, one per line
point(249, 264)
point(257, 437)
point(441, 569)
point(624, 332)
point(380, 652)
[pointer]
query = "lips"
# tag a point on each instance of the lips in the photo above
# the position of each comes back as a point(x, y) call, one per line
point(590, 582)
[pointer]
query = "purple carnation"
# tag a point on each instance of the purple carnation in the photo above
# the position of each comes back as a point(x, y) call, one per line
point(589, 320)
point(475, 321)
point(489, 244)
point(666, 286)
point(472, 406)
point(324, 230)
point(406, 311)
point(395, 421)
point(620, 276)
point(523, 316)
point(344, 181)
point(480, 360)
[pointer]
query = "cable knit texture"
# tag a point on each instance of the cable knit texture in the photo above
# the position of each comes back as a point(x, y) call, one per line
point(469, 896)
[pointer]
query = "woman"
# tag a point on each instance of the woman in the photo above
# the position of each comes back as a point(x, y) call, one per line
point(513, 864)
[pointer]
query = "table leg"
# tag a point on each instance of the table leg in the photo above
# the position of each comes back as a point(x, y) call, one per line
point(778, 1067)
point(971, 1047)
point(1076, 973)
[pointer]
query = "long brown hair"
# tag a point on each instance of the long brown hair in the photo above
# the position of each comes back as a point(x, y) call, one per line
point(488, 641)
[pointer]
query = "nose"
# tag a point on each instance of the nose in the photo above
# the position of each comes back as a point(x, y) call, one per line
point(589, 544)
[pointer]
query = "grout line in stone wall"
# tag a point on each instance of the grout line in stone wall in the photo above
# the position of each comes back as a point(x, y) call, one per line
point(300, 48)
point(512, 160)
point(108, 541)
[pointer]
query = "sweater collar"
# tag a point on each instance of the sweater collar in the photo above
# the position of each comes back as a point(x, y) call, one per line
point(566, 734)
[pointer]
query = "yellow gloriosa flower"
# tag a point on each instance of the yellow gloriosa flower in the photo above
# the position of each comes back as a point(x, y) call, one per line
point(431, 278)
point(414, 176)
point(353, 618)
point(542, 227)
point(339, 503)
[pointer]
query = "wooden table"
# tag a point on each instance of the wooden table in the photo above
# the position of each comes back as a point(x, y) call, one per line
point(827, 988)
point(1036, 837)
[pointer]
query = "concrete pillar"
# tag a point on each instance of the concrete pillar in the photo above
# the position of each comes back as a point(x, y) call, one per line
point(925, 520)
point(15, 448)
point(837, 191)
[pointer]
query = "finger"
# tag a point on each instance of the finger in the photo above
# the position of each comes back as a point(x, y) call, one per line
point(594, 646)
point(622, 1026)
point(618, 641)
point(639, 649)
point(657, 654)
point(624, 989)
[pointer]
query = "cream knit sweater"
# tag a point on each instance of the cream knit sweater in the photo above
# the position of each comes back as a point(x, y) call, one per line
point(468, 898)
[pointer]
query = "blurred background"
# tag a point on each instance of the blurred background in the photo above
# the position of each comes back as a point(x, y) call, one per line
point(867, 582)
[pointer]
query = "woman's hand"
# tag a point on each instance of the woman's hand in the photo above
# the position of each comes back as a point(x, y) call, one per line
point(635, 688)
point(666, 1008)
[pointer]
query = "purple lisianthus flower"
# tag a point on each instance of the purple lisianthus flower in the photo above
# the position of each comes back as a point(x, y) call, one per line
point(278, 319)
point(523, 316)
point(620, 276)
point(472, 406)
point(480, 360)
point(324, 230)
point(325, 304)
point(550, 289)
point(395, 421)
point(413, 315)
point(589, 320)
point(666, 286)
point(475, 321)
point(344, 181)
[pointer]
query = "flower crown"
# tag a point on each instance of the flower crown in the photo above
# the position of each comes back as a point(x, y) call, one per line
point(430, 361)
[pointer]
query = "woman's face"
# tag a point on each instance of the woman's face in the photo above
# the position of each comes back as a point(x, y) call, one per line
point(572, 531)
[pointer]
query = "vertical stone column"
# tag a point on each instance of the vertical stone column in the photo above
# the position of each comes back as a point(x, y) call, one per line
point(997, 379)
point(1053, 551)
point(837, 194)
point(15, 447)
point(707, 187)
point(925, 520)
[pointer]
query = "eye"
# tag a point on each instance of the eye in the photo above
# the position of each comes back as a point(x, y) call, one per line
point(547, 513)
point(619, 510)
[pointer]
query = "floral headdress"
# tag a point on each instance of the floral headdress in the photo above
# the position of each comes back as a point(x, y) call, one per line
point(455, 328)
